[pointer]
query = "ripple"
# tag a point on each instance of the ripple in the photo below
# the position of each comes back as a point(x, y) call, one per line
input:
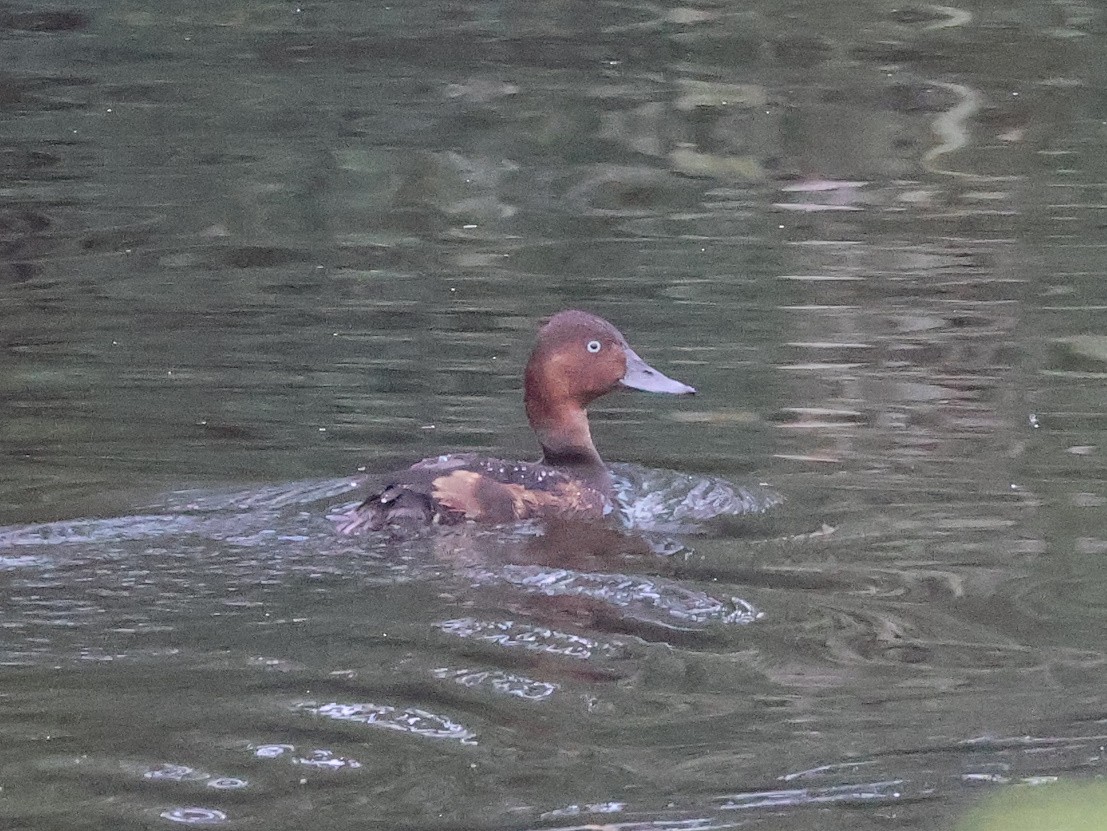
point(591, 808)
point(630, 192)
point(666, 500)
point(650, 600)
point(27, 561)
point(500, 682)
point(886, 637)
point(86, 531)
point(272, 751)
point(194, 816)
point(887, 791)
point(174, 773)
point(404, 720)
point(1052, 596)
point(242, 499)
point(326, 760)
point(509, 634)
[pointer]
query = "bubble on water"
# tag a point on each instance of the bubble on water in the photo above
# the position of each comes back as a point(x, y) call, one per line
point(272, 751)
point(194, 816)
point(325, 759)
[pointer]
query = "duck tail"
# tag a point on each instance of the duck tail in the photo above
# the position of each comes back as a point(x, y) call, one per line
point(396, 508)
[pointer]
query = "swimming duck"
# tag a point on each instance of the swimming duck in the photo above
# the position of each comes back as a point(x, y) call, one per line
point(577, 358)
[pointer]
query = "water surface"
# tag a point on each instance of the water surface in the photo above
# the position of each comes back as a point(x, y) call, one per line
point(249, 249)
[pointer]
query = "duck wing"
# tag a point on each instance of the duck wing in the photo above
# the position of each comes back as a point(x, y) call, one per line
point(447, 490)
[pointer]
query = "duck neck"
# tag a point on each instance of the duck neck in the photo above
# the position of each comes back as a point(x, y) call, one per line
point(566, 440)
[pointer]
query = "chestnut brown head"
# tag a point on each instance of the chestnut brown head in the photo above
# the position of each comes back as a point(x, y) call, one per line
point(579, 357)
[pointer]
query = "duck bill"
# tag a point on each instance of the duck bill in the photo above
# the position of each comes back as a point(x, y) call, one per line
point(641, 376)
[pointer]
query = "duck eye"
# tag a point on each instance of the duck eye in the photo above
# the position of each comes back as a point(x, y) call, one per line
point(594, 346)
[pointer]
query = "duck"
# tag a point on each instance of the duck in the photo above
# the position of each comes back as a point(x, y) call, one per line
point(577, 358)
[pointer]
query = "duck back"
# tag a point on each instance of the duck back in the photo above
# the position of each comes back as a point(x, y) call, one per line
point(447, 490)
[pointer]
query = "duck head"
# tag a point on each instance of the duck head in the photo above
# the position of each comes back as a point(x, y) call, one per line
point(578, 358)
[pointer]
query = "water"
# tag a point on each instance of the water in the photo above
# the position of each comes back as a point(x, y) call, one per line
point(248, 249)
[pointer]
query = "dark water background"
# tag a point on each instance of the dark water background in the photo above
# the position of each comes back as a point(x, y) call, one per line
point(252, 246)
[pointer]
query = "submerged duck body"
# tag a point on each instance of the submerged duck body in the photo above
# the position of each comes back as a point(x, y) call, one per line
point(578, 357)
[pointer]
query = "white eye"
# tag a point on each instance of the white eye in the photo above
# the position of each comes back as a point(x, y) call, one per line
point(594, 346)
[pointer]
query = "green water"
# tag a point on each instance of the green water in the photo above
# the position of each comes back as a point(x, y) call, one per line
point(252, 245)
